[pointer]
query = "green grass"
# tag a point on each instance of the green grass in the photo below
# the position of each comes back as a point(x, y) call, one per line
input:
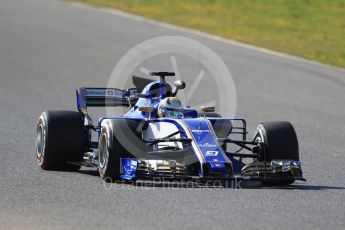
point(313, 29)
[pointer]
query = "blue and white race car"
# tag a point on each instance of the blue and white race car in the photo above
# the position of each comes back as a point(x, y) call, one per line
point(159, 138)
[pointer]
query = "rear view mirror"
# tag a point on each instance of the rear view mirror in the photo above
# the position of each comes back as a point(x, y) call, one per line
point(180, 84)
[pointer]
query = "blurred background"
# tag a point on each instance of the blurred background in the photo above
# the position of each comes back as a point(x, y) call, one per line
point(313, 29)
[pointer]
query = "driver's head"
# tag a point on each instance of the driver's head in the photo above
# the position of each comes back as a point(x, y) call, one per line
point(170, 107)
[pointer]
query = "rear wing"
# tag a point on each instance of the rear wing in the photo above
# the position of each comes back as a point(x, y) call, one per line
point(105, 97)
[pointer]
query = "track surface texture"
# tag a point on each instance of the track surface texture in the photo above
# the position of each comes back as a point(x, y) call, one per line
point(49, 48)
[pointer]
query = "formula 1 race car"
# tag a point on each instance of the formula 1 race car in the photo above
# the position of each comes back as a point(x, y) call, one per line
point(159, 138)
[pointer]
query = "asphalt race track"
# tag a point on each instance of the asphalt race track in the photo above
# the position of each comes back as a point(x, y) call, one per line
point(49, 48)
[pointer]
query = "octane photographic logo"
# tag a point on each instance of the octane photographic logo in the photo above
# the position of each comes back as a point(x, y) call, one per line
point(209, 81)
point(162, 183)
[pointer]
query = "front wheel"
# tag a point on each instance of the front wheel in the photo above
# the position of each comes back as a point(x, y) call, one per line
point(278, 141)
point(109, 158)
point(119, 138)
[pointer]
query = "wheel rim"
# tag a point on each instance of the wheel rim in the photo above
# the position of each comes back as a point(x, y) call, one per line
point(103, 153)
point(40, 144)
point(258, 139)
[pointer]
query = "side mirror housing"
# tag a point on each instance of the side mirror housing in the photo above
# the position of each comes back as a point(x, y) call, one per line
point(178, 85)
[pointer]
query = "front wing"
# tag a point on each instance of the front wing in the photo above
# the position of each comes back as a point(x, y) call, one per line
point(275, 170)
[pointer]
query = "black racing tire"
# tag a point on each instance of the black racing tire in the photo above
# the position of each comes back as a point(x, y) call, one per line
point(278, 141)
point(61, 138)
point(109, 158)
point(117, 138)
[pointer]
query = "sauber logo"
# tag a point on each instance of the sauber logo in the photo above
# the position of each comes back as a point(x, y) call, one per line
point(211, 153)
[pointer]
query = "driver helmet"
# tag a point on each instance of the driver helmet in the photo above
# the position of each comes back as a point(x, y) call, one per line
point(170, 107)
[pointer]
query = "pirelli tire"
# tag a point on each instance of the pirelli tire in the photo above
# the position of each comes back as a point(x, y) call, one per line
point(118, 138)
point(278, 141)
point(61, 140)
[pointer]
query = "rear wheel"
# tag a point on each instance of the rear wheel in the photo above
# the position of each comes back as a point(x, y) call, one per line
point(60, 139)
point(278, 141)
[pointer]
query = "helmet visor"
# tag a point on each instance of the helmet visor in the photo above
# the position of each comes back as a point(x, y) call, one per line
point(173, 113)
